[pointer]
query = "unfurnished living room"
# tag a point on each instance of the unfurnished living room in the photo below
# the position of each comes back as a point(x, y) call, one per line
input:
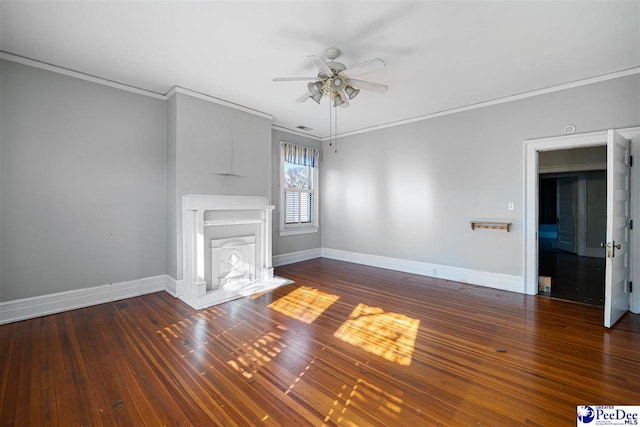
point(319, 213)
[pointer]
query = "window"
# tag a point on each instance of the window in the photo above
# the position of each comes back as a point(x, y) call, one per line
point(299, 189)
point(298, 193)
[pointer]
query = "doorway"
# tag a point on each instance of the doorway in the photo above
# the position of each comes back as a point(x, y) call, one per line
point(572, 224)
point(619, 295)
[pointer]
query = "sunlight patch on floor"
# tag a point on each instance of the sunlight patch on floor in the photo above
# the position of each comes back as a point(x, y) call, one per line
point(388, 335)
point(304, 304)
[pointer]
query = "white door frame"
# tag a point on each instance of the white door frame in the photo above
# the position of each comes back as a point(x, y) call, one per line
point(530, 229)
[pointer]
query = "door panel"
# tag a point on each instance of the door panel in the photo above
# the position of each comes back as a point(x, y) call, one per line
point(567, 195)
point(616, 294)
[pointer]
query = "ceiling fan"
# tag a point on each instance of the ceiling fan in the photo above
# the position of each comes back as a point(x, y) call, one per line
point(335, 80)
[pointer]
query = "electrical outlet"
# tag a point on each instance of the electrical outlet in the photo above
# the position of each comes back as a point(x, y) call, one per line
point(511, 206)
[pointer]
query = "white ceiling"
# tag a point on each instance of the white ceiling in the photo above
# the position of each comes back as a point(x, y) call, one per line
point(439, 55)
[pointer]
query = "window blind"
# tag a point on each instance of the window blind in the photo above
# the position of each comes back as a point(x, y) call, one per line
point(298, 207)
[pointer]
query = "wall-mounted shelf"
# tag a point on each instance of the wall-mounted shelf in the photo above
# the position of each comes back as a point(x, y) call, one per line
point(493, 225)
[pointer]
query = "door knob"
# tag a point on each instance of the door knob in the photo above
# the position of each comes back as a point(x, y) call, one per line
point(611, 248)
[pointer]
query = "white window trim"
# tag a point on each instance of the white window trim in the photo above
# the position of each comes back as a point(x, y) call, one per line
point(294, 229)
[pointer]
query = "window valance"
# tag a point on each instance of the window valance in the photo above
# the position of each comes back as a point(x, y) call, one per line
point(301, 155)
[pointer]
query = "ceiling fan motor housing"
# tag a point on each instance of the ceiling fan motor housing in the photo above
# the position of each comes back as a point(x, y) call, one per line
point(332, 53)
point(336, 67)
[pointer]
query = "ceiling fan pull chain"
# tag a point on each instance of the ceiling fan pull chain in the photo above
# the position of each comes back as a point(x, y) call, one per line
point(330, 126)
point(335, 133)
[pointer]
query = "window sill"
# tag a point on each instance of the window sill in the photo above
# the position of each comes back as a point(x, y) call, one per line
point(299, 230)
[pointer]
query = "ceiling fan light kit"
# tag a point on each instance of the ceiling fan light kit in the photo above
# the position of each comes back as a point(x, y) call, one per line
point(315, 87)
point(351, 92)
point(338, 101)
point(334, 81)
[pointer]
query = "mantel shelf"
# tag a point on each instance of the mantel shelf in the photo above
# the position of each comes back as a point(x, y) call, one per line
point(493, 225)
point(231, 222)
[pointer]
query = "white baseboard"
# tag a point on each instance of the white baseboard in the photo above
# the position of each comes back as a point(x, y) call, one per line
point(299, 256)
point(171, 286)
point(501, 281)
point(28, 308)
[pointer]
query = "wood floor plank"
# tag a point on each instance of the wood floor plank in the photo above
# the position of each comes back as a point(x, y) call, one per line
point(477, 356)
point(11, 356)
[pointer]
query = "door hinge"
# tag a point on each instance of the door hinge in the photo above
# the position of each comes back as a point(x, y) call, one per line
point(630, 161)
point(630, 224)
point(630, 287)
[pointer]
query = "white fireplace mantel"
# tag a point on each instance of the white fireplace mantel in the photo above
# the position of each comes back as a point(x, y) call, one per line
point(194, 286)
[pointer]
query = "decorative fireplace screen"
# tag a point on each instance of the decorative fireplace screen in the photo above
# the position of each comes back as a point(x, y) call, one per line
point(233, 261)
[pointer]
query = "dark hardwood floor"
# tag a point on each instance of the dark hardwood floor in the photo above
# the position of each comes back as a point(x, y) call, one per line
point(574, 278)
point(344, 345)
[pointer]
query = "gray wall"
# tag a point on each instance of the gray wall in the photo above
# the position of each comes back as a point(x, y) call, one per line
point(410, 191)
point(212, 140)
point(172, 202)
point(2, 97)
point(299, 242)
point(82, 175)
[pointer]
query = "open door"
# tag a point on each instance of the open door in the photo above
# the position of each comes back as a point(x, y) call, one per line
point(616, 291)
point(567, 195)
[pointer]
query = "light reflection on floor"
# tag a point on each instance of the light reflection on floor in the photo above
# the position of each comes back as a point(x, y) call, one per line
point(192, 331)
point(362, 391)
point(389, 335)
point(197, 322)
point(300, 375)
point(304, 303)
point(257, 353)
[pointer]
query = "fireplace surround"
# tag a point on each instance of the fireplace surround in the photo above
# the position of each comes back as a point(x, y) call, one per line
point(204, 219)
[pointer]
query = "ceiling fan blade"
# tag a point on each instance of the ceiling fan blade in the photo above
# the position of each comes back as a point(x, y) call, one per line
point(293, 79)
point(321, 64)
point(304, 97)
point(374, 87)
point(365, 67)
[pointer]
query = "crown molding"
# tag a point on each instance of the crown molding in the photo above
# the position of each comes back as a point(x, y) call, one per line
point(213, 99)
point(516, 97)
point(295, 132)
point(133, 89)
point(78, 75)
